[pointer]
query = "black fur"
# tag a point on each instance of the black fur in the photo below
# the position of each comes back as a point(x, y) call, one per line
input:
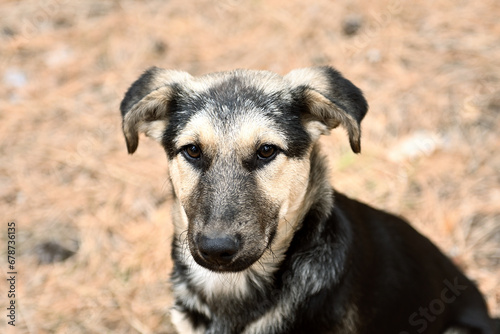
point(344, 94)
point(140, 88)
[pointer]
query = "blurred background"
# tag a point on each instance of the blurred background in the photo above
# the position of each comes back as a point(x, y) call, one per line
point(93, 223)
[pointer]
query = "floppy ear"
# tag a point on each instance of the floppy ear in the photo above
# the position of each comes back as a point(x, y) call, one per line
point(146, 105)
point(330, 99)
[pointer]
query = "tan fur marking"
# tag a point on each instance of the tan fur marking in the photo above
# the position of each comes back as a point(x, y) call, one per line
point(184, 177)
point(274, 181)
point(179, 218)
point(253, 129)
point(199, 130)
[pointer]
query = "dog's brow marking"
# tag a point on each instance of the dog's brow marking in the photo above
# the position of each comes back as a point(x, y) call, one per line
point(255, 129)
point(198, 130)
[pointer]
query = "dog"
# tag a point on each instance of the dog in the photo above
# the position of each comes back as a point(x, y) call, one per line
point(262, 242)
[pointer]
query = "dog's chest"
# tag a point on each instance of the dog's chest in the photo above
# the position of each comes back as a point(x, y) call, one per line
point(224, 300)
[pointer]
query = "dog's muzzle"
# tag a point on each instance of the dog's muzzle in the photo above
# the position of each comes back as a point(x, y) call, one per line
point(226, 252)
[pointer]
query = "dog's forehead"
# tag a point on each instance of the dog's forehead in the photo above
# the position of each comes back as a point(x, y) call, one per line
point(247, 80)
point(228, 94)
point(244, 106)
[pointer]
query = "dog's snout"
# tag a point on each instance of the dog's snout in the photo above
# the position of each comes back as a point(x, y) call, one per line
point(218, 250)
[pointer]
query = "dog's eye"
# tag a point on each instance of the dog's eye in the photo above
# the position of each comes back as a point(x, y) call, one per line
point(192, 151)
point(267, 152)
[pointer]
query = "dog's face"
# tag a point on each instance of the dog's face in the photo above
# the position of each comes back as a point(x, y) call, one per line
point(238, 145)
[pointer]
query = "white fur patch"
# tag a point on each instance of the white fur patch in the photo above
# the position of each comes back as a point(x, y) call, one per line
point(154, 129)
point(182, 324)
point(316, 129)
point(189, 299)
point(217, 284)
point(270, 322)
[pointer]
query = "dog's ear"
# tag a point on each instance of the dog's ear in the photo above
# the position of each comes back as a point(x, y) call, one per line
point(146, 104)
point(330, 99)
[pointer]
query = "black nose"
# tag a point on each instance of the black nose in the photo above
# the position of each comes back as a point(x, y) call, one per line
point(218, 250)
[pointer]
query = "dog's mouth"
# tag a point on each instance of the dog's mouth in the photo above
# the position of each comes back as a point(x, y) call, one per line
point(226, 253)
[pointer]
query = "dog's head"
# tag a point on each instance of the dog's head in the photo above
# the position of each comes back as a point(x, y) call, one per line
point(238, 145)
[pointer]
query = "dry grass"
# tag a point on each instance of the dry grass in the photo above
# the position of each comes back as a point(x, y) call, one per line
point(430, 70)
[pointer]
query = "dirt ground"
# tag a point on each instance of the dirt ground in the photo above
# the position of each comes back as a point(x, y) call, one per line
point(431, 152)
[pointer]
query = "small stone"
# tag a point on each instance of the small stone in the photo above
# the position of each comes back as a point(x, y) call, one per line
point(351, 25)
point(50, 252)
